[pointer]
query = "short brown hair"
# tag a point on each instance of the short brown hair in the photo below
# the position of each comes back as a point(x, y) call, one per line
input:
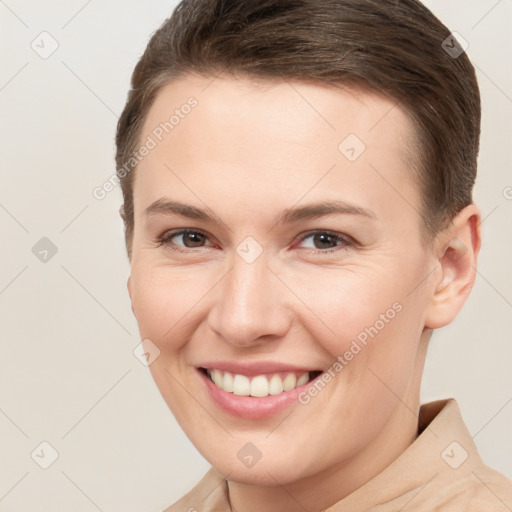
point(396, 47)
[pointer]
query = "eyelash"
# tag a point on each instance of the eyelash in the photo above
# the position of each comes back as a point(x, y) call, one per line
point(164, 240)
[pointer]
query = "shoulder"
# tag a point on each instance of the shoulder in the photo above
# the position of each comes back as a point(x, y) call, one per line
point(209, 494)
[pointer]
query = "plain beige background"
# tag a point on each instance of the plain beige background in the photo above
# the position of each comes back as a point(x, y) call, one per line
point(68, 373)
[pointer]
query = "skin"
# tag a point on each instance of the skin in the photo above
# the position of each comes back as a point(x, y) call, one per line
point(259, 148)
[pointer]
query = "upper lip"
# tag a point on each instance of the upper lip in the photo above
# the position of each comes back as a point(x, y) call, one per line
point(251, 369)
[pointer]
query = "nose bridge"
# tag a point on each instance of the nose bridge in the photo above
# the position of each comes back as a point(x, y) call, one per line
point(250, 304)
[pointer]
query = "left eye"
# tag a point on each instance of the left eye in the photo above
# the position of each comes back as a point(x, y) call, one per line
point(323, 240)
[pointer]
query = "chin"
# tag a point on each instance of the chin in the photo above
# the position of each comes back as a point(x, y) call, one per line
point(276, 467)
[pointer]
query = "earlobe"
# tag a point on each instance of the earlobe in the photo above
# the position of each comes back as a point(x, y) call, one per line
point(458, 248)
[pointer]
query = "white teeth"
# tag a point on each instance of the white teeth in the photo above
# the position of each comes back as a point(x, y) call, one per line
point(258, 386)
point(275, 385)
point(228, 382)
point(290, 382)
point(241, 385)
point(303, 379)
point(217, 377)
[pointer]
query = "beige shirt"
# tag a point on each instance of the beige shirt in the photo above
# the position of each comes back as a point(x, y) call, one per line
point(440, 471)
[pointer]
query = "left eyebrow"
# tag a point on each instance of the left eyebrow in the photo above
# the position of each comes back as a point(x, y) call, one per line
point(316, 210)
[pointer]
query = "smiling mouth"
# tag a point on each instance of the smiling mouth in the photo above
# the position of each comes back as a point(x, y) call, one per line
point(259, 386)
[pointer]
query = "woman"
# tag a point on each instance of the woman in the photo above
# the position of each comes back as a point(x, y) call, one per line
point(297, 180)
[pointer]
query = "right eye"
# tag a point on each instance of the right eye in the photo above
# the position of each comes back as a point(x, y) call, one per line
point(182, 238)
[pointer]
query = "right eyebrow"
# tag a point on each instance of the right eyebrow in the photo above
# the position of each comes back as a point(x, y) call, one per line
point(175, 207)
point(321, 209)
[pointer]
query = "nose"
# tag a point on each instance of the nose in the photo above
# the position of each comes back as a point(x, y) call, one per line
point(252, 306)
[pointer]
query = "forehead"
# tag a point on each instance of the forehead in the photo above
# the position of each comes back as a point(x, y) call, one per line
point(266, 106)
point(272, 137)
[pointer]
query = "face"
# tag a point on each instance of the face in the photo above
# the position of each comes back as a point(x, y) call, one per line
point(278, 251)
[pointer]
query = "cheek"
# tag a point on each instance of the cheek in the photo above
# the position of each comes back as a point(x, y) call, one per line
point(163, 299)
point(348, 304)
point(369, 318)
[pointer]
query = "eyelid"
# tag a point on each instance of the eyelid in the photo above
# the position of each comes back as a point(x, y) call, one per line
point(346, 241)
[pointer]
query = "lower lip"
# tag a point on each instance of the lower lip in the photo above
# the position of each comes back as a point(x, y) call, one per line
point(249, 407)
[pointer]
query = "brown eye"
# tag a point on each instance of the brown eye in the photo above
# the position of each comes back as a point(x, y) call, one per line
point(184, 238)
point(192, 239)
point(323, 241)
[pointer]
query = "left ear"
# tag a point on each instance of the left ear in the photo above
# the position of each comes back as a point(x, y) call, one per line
point(457, 249)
